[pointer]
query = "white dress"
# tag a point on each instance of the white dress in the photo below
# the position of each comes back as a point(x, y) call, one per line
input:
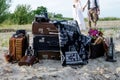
point(78, 16)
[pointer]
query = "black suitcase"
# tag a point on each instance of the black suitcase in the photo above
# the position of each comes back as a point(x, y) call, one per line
point(46, 42)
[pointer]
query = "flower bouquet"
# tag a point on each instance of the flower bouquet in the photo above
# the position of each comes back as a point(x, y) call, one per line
point(96, 35)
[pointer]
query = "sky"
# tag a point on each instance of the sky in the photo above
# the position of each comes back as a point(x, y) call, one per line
point(108, 8)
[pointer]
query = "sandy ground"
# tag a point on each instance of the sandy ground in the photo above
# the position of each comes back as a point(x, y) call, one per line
point(96, 69)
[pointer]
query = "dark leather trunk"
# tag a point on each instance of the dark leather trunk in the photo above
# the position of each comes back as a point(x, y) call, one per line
point(46, 42)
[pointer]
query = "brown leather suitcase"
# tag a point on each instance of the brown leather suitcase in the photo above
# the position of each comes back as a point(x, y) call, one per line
point(17, 47)
point(49, 55)
point(27, 60)
point(44, 28)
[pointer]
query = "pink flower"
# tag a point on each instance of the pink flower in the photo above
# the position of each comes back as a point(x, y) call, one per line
point(94, 33)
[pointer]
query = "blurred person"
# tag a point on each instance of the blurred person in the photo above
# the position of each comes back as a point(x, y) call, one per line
point(93, 11)
point(77, 14)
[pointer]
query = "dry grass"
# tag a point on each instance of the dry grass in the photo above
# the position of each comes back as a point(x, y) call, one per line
point(107, 24)
point(4, 39)
point(16, 27)
point(101, 24)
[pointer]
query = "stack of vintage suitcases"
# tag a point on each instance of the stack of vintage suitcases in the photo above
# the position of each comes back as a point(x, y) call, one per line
point(45, 39)
point(51, 40)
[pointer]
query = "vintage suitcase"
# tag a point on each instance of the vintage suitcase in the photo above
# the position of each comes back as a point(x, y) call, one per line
point(49, 55)
point(27, 60)
point(17, 47)
point(44, 28)
point(46, 42)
